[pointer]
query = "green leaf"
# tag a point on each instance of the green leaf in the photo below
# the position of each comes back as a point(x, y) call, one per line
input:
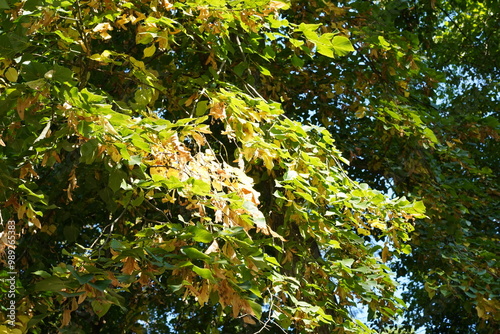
point(201, 235)
point(53, 284)
point(269, 52)
point(115, 179)
point(240, 68)
point(347, 262)
point(135, 160)
point(62, 74)
point(297, 62)
point(430, 134)
point(205, 273)
point(81, 279)
point(117, 245)
point(406, 249)
point(38, 196)
point(12, 43)
point(341, 45)
point(71, 232)
point(256, 308)
point(100, 307)
point(69, 295)
point(201, 108)
point(265, 71)
point(100, 285)
point(272, 260)
point(42, 273)
point(200, 187)
point(306, 196)
point(89, 151)
point(195, 254)
point(419, 206)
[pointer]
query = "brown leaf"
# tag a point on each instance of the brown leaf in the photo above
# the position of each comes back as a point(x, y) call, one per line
point(72, 183)
point(144, 279)
point(66, 318)
point(129, 266)
point(204, 293)
point(218, 110)
point(248, 320)
point(82, 298)
point(385, 254)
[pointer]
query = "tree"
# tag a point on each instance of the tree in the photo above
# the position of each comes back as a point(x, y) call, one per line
point(149, 178)
point(161, 166)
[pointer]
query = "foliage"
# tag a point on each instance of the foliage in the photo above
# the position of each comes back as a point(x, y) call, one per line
point(416, 110)
point(150, 179)
point(160, 163)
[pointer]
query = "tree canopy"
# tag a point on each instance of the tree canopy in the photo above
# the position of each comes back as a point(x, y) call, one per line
point(238, 166)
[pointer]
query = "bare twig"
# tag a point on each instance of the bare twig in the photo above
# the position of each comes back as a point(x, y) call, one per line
point(158, 209)
point(111, 228)
point(264, 326)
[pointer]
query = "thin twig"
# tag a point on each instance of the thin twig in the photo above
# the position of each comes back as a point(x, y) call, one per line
point(112, 226)
point(264, 326)
point(158, 209)
point(195, 102)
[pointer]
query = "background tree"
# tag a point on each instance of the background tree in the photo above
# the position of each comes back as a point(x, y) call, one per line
point(416, 109)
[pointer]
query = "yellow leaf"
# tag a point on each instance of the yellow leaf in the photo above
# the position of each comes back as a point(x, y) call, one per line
point(36, 222)
point(480, 311)
point(360, 113)
point(274, 5)
point(10, 330)
point(363, 231)
point(21, 211)
point(11, 74)
point(203, 128)
point(200, 139)
point(378, 224)
point(268, 161)
point(82, 298)
point(190, 100)
point(122, 21)
point(149, 51)
point(113, 152)
point(144, 279)
point(73, 184)
point(162, 39)
point(49, 229)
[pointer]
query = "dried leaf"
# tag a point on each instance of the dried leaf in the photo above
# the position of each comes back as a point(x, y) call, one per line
point(102, 29)
point(130, 265)
point(66, 318)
